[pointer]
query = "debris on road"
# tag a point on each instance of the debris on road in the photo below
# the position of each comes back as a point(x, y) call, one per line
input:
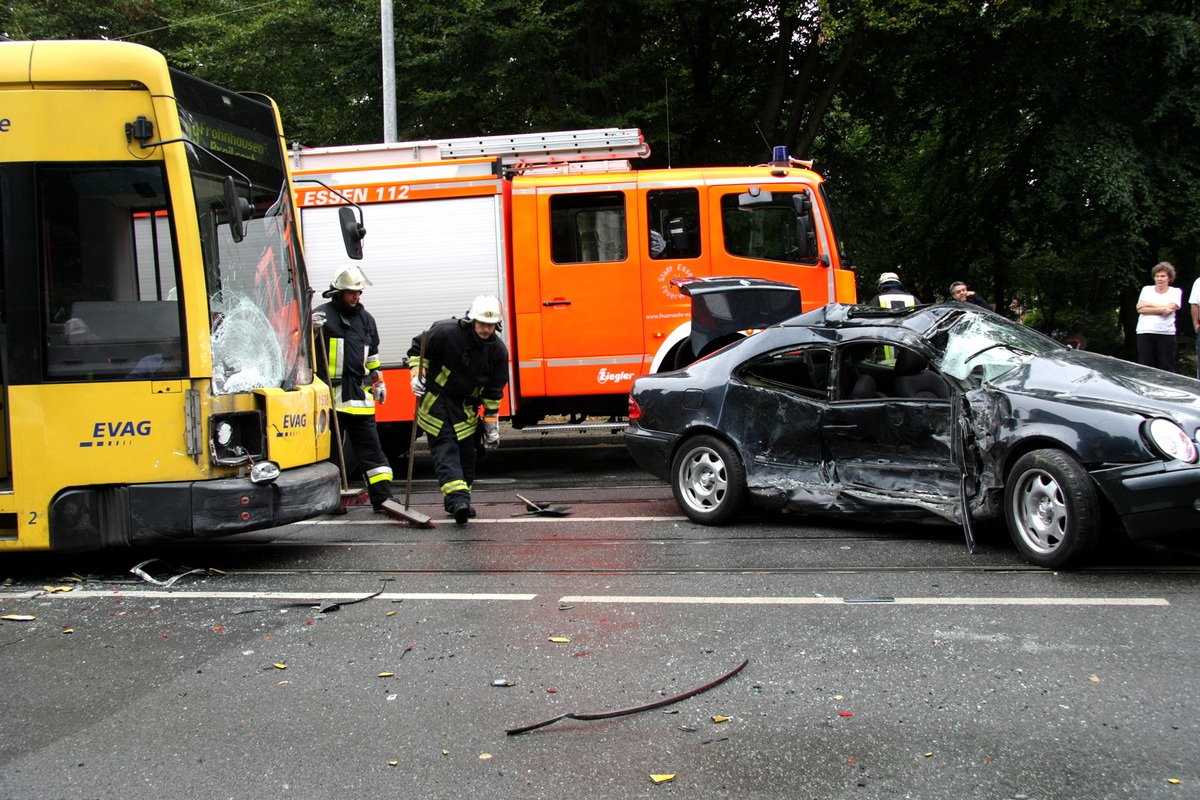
point(626, 711)
point(322, 606)
point(140, 571)
point(663, 778)
point(541, 509)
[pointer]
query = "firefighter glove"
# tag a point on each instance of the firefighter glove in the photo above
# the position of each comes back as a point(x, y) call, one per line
point(379, 388)
point(418, 385)
point(491, 433)
point(318, 319)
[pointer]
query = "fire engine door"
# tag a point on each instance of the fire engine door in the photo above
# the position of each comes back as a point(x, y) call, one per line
point(590, 293)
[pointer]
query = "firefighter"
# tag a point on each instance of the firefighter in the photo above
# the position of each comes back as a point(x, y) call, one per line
point(352, 341)
point(465, 365)
point(892, 293)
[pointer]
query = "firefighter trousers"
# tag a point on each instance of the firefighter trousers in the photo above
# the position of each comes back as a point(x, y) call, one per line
point(454, 465)
point(363, 436)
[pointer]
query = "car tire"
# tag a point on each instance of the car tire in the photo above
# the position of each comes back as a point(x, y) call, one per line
point(708, 480)
point(1051, 508)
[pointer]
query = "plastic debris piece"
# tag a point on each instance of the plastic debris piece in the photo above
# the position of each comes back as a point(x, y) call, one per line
point(663, 777)
point(19, 617)
point(560, 640)
point(626, 711)
point(1094, 678)
point(283, 683)
point(68, 630)
point(1173, 781)
point(393, 763)
point(503, 682)
point(929, 755)
point(551, 691)
point(279, 665)
point(484, 756)
point(390, 614)
point(565, 608)
point(387, 674)
point(53, 589)
point(845, 713)
point(140, 571)
point(717, 718)
point(445, 752)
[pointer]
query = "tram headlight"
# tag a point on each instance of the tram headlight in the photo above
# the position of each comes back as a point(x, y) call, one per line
point(237, 438)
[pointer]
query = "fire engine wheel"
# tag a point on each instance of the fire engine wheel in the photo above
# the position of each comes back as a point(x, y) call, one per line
point(1051, 508)
point(708, 480)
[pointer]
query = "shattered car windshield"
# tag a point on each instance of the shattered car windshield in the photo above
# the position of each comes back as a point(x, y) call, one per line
point(990, 346)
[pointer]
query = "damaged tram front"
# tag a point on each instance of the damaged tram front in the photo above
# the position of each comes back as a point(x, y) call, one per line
point(156, 343)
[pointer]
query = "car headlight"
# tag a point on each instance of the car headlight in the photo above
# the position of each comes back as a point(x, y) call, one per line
point(1170, 440)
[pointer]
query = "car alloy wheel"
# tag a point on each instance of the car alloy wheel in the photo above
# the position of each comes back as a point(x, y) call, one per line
point(708, 480)
point(1051, 509)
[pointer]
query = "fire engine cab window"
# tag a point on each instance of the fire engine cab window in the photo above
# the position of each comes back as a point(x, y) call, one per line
point(109, 271)
point(586, 228)
point(674, 223)
point(773, 226)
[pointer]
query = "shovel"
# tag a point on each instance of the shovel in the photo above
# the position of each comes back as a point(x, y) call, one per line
point(348, 496)
point(391, 507)
point(541, 509)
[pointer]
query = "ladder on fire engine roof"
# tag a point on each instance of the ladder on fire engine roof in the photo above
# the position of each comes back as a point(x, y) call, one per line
point(520, 151)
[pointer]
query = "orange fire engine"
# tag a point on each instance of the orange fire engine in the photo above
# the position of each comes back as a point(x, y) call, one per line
point(580, 248)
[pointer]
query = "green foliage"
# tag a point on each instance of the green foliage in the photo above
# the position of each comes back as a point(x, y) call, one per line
point(1042, 150)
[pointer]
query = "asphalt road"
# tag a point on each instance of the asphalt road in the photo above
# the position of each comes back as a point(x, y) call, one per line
point(880, 661)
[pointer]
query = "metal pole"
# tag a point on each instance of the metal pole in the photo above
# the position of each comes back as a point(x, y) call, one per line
point(387, 35)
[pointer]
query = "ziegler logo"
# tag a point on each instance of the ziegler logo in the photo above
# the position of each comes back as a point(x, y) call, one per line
point(116, 434)
point(613, 377)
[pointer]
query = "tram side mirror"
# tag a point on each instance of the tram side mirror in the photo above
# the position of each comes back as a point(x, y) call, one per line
point(238, 208)
point(352, 232)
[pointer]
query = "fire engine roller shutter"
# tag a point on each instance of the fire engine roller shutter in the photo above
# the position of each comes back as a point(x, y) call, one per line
point(427, 259)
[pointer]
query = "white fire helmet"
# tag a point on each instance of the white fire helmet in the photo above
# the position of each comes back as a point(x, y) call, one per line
point(347, 278)
point(485, 308)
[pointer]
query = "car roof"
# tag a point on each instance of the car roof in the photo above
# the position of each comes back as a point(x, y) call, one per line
point(918, 319)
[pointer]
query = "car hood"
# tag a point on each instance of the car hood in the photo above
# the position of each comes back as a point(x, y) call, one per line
point(1094, 379)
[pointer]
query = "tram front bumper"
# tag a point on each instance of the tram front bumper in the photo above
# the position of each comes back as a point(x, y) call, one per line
point(94, 517)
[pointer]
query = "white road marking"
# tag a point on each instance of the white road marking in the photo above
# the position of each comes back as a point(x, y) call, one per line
point(315, 596)
point(911, 601)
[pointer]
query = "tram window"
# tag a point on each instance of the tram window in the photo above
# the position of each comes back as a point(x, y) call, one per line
point(109, 273)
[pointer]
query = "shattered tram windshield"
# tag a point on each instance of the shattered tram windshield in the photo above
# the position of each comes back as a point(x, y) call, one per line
point(989, 345)
point(255, 294)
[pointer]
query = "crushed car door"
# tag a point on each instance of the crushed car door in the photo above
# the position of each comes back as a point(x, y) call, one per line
point(774, 412)
point(890, 439)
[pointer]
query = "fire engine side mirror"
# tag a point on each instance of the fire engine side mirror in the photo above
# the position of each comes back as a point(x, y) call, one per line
point(352, 232)
point(238, 209)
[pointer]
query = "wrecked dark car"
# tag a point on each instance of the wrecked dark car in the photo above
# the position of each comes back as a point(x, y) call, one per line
point(944, 410)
